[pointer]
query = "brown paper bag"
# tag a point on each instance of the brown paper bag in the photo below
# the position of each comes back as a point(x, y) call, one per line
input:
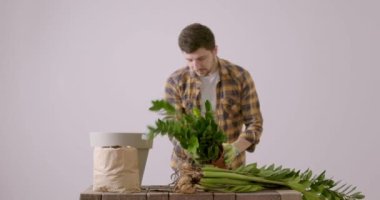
point(116, 170)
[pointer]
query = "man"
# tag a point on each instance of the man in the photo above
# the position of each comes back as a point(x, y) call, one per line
point(228, 87)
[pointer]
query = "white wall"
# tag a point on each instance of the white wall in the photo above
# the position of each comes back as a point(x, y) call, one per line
point(71, 67)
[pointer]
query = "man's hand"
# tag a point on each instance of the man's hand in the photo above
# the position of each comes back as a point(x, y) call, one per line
point(230, 152)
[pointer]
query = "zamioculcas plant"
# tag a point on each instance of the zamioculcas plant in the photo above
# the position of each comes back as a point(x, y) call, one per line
point(198, 134)
point(251, 178)
point(201, 137)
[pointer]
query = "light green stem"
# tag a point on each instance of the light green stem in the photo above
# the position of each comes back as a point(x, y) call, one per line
point(232, 175)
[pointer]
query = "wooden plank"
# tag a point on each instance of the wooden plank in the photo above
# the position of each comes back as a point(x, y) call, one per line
point(158, 192)
point(224, 196)
point(196, 196)
point(124, 196)
point(290, 195)
point(157, 196)
point(262, 195)
point(158, 188)
point(88, 194)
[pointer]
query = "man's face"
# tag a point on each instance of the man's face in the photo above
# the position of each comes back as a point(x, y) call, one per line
point(202, 61)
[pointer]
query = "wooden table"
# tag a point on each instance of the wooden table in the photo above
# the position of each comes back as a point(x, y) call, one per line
point(164, 193)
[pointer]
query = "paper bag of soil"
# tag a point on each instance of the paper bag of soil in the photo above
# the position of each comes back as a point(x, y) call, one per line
point(116, 169)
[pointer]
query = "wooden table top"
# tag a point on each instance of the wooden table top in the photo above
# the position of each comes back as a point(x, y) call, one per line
point(162, 192)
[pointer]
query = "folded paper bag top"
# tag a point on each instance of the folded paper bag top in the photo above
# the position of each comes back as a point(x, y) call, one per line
point(123, 139)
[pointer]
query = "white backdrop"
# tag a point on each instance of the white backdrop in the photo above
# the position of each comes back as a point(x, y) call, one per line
point(71, 67)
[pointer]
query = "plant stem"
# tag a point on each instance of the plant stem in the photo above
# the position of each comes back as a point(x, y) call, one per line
point(231, 175)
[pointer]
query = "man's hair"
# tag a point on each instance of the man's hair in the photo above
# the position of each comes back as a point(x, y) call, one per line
point(195, 36)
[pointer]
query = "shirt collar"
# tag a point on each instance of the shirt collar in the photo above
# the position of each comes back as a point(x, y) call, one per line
point(223, 71)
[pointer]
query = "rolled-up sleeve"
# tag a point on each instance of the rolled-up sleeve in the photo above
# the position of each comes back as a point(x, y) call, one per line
point(252, 117)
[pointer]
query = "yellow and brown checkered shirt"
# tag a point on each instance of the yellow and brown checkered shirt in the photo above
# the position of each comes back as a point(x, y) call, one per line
point(237, 108)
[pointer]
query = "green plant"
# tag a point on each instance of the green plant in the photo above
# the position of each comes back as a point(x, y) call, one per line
point(201, 137)
point(198, 134)
point(250, 178)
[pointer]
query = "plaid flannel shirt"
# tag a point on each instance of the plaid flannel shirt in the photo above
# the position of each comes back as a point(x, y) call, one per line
point(237, 108)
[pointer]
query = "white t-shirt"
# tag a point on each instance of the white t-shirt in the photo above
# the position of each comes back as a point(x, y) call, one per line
point(208, 89)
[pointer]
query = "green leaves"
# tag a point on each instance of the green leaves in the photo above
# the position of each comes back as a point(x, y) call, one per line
point(198, 134)
point(312, 187)
point(158, 105)
point(201, 137)
point(193, 146)
point(164, 107)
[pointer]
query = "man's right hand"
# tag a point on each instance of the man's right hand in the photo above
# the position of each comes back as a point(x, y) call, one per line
point(230, 152)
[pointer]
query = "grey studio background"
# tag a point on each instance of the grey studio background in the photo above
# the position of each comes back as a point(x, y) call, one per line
point(71, 67)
